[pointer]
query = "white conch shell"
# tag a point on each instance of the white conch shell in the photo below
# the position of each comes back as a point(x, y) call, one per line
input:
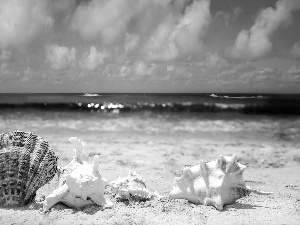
point(132, 187)
point(217, 183)
point(82, 185)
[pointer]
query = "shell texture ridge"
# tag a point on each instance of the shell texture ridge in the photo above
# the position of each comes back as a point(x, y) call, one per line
point(81, 183)
point(26, 163)
point(132, 187)
point(216, 183)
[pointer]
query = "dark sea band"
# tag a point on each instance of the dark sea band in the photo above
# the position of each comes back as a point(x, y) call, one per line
point(156, 103)
point(267, 107)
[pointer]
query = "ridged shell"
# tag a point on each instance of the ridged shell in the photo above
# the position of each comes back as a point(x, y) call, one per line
point(81, 183)
point(132, 187)
point(26, 164)
point(217, 183)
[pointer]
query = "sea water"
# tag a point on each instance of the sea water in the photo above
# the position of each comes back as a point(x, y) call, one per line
point(103, 103)
point(152, 113)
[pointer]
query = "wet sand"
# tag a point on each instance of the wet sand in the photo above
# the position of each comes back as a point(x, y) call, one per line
point(270, 151)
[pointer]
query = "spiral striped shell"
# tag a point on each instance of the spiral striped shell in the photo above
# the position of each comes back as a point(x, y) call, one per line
point(26, 164)
point(132, 187)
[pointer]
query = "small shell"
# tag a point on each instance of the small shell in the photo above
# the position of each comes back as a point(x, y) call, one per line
point(215, 183)
point(132, 187)
point(26, 164)
point(81, 184)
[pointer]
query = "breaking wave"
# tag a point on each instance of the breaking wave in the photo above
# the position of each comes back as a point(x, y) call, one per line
point(122, 103)
point(168, 107)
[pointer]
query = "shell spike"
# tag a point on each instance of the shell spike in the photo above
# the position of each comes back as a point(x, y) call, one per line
point(234, 158)
point(240, 170)
point(77, 147)
point(256, 191)
point(221, 160)
point(188, 173)
point(231, 163)
point(55, 197)
point(96, 163)
point(203, 167)
point(204, 172)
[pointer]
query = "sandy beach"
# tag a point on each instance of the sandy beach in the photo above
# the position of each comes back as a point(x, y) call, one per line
point(157, 149)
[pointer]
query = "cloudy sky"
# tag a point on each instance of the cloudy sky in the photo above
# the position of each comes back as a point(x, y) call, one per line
point(150, 46)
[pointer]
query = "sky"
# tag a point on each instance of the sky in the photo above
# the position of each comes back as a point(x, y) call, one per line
point(156, 46)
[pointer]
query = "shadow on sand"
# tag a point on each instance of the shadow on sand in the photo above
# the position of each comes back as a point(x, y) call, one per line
point(242, 206)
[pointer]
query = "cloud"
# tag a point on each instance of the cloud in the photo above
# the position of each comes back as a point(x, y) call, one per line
point(21, 21)
point(155, 30)
point(141, 68)
point(4, 70)
point(170, 68)
point(213, 61)
point(237, 11)
point(294, 74)
point(295, 51)
point(131, 42)
point(173, 39)
point(92, 59)
point(103, 19)
point(255, 43)
point(63, 7)
point(235, 70)
point(146, 30)
point(108, 22)
point(222, 17)
point(5, 55)
point(60, 57)
point(294, 70)
point(124, 70)
point(266, 76)
point(241, 76)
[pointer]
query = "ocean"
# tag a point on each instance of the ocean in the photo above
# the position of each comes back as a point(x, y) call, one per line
point(189, 114)
point(156, 103)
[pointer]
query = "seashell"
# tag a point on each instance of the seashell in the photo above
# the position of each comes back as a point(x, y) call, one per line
point(81, 183)
point(26, 164)
point(217, 183)
point(132, 187)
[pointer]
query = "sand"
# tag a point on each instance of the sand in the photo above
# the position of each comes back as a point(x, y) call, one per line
point(272, 157)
